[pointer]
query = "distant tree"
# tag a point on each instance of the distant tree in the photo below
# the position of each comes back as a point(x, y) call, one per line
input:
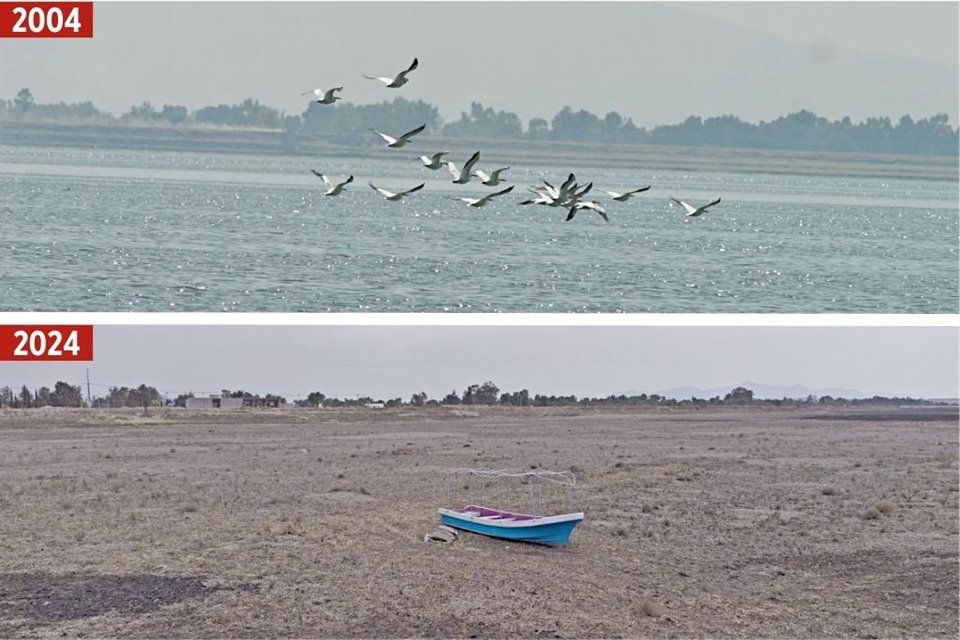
point(452, 398)
point(249, 113)
point(739, 395)
point(612, 126)
point(485, 123)
point(26, 398)
point(144, 396)
point(41, 397)
point(181, 400)
point(518, 398)
point(174, 114)
point(66, 395)
point(538, 129)
point(145, 112)
point(24, 101)
point(418, 399)
point(315, 399)
point(487, 393)
point(582, 125)
point(394, 117)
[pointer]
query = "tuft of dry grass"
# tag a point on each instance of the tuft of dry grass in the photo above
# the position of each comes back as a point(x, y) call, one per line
point(885, 507)
point(829, 491)
point(650, 608)
point(284, 528)
point(871, 514)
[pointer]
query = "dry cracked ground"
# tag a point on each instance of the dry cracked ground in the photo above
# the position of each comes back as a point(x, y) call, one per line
point(721, 522)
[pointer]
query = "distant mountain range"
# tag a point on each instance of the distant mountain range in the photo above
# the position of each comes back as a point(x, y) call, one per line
point(769, 392)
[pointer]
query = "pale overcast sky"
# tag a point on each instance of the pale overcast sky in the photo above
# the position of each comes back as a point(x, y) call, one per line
point(398, 361)
point(656, 62)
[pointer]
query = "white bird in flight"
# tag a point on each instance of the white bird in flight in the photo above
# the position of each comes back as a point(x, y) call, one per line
point(398, 81)
point(695, 211)
point(492, 179)
point(333, 189)
point(402, 140)
point(433, 162)
point(324, 97)
point(479, 202)
point(623, 197)
point(463, 177)
point(393, 197)
point(577, 206)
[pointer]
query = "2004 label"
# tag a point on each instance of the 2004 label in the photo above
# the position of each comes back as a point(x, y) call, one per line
point(46, 19)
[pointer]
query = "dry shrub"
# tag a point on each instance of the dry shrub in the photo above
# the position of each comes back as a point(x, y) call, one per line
point(646, 508)
point(284, 528)
point(650, 608)
point(829, 491)
point(885, 507)
point(871, 514)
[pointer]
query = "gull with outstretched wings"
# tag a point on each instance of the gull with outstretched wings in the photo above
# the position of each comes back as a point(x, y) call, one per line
point(333, 189)
point(324, 97)
point(398, 81)
point(463, 177)
point(623, 197)
point(695, 211)
point(433, 162)
point(393, 197)
point(492, 179)
point(479, 202)
point(402, 140)
point(593, 206)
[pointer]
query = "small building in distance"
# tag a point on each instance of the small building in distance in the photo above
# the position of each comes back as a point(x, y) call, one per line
point(214, 402)
point(229, 402)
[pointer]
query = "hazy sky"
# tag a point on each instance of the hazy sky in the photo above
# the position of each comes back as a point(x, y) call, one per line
point(657, 62)
point(398, 361)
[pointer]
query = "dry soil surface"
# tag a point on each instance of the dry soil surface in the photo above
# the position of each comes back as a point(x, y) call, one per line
point(278, 523)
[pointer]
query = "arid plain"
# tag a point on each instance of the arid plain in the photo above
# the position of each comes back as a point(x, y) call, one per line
point(719, 522)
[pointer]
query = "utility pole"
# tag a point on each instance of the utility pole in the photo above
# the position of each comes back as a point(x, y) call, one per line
point(89, 399)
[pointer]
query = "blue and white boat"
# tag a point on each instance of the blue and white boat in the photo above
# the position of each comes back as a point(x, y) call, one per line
point(513, 525)
point(522, 527)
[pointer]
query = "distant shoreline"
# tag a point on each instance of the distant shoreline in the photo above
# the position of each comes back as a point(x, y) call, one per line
point(647, 157)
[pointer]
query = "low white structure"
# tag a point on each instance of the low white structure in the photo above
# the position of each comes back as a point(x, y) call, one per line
point(214, 402)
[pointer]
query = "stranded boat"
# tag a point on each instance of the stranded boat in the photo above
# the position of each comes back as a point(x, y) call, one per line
point(498, 522)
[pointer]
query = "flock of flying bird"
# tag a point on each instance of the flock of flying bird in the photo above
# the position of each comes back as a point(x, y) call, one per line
point(568, 195)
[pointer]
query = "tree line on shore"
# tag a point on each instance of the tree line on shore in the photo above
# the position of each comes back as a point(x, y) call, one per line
point(347, 123)
point(64, 394)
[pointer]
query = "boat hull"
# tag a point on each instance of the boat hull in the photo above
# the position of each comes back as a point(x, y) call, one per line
point(549, 530)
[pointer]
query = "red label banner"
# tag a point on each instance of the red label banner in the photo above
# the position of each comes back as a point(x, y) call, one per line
point(65, 343)
point(46, 19)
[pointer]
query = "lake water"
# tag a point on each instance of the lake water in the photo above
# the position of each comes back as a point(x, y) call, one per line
point(122, 230)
